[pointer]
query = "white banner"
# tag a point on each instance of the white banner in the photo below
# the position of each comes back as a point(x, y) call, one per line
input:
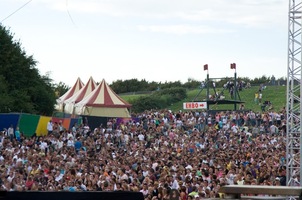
point(195, 105)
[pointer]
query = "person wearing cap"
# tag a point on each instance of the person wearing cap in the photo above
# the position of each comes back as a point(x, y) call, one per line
point(277, 181)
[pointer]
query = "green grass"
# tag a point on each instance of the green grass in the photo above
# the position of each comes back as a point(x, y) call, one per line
point(130, 98)
point(275, 94)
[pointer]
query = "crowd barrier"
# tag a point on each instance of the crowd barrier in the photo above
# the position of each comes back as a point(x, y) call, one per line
point(261, 192)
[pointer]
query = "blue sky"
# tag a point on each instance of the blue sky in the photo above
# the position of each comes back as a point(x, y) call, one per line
point(156, 40)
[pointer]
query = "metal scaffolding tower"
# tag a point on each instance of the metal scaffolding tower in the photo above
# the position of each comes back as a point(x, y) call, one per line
point(293, 98)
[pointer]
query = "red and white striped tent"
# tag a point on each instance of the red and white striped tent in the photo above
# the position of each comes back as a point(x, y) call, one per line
point(74, 89)
point(77, 97)
point(104, 102)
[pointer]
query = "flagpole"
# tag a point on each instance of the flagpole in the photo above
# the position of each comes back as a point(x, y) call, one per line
point(208, 85)
point(206, 67)
point(233, 66)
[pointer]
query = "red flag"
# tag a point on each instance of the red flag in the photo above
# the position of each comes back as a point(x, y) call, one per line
point(205, 67)
point(233, 65)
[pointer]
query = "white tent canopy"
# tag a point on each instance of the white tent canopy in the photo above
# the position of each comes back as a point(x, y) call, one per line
point(74, 89)
point(103, 101)
point(78, 96)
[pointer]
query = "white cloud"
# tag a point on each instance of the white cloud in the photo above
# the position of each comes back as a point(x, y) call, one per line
point(181, 29)
point(129, 34)
point(242, 12)
point(92, 7)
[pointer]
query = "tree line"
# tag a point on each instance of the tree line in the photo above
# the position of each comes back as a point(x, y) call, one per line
point(135, 85)
point(22, 87)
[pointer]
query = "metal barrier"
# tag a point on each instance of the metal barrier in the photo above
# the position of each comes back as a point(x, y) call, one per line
point(260, 192)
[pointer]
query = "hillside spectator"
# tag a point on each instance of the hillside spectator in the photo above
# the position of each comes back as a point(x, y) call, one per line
point(273, 80)
point(260, 97)
point(256, 98)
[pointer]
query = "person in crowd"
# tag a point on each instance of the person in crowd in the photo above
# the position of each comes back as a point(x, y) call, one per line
point(49, 127)
point(18, 134)
point(10, 132)
point(161, 154)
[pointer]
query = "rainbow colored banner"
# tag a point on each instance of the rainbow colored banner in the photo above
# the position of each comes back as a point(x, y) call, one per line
point(33, 124)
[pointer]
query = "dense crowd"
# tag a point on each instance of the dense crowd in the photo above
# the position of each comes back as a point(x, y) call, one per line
point(190, 154)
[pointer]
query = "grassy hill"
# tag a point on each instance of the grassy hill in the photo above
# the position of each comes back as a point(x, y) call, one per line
point(275, 94)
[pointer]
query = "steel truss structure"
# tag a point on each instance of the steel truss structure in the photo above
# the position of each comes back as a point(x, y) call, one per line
point(293, 95)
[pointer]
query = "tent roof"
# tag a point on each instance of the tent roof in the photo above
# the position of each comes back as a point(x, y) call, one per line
point(74, 89)
point(83, 92)
point(104, 96)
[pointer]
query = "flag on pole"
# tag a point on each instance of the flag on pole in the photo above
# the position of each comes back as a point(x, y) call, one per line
point(205, 67)
point(233, 65)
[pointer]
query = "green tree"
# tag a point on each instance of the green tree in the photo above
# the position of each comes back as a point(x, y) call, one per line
point(60, 89)
point(260, 80)
point(146, 103)
point(192, 84)
point(118, 86)
point(152, 86)
point(133, 85)
point(170, 84)
point(22, 88)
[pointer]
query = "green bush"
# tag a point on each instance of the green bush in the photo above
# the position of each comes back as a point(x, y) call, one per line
point(159, 100)
point(177, 93)
point(145, 103)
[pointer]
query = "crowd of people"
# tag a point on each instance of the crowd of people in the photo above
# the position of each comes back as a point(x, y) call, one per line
point(187, 154)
